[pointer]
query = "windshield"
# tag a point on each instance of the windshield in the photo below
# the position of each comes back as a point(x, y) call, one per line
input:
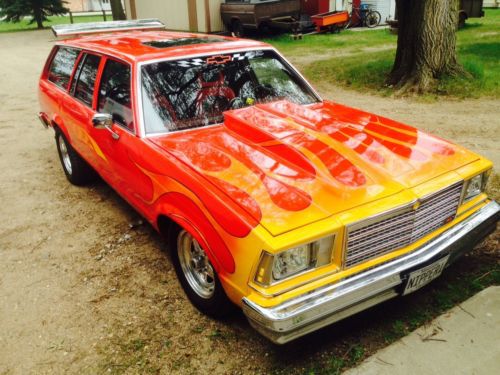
point(190, 93)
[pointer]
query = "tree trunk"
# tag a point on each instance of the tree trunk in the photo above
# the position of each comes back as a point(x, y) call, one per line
point(38, 16)
point(426, 47)
point(117, 10)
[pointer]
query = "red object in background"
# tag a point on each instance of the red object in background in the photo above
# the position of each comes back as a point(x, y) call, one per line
point(312, 7)
point(355, 4)
point(330, 19)
point(315, 7)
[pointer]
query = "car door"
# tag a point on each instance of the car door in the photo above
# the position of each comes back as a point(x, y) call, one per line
point(120, 145)
point(79, 109)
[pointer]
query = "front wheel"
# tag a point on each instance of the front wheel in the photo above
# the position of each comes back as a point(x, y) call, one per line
point(237, 28)
point(197, 275)
point(373, 18)
point(77, 171)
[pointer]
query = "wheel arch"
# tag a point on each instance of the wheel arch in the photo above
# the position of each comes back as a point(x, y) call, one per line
point(57, 124)
point(177, 210)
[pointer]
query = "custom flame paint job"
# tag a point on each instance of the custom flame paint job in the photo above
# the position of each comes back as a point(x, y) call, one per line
point(298, 165)
point(269, 177)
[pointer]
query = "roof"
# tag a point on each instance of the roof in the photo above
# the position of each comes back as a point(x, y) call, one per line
point(138, 46)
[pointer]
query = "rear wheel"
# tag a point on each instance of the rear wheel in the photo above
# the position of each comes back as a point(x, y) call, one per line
point(77, 171)
point(373, 18)
point(197, 275)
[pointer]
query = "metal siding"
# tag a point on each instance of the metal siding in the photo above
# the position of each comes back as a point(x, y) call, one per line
point(381, 6)
point(174, 14)
point(215, 18)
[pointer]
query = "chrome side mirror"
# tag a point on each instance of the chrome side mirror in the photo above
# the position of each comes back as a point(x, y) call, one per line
point(104, 121)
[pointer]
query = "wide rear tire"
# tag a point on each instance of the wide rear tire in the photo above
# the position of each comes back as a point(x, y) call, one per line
point(77, 171)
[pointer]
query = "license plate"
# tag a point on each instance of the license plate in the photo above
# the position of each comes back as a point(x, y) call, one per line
point(417, 279)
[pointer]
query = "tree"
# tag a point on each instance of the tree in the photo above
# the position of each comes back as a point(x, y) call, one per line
point(117, 10)
point(16, 10)
point(426, 49)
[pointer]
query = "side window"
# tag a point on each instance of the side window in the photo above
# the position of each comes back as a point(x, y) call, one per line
point(62, 65)
point(114, 93)
point(85, 78)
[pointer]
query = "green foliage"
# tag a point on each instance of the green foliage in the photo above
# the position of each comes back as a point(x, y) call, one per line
point(24, 25)
point(38, 10)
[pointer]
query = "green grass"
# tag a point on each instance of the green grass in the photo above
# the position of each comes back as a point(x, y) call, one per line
point(7, 27)
point(362, 60)
point(321, 43)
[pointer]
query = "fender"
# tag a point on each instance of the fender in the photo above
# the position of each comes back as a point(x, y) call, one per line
point(186, 213)
point(57, 122)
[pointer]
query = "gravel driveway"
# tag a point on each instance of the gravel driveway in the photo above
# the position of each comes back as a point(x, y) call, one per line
point(85, 289)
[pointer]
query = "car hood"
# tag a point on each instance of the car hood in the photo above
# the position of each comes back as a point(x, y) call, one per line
point(289, 165)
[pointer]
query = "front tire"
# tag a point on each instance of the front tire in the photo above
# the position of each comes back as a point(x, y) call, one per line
point(237, 28)
point(77, 171)
point(197, 275)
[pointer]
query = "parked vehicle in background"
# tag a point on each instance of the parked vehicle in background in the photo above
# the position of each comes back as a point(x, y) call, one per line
point(239, 15)
point(299, 210)
point(467, 9)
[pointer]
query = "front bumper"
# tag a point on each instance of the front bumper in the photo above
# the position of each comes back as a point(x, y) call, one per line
point(318, 308)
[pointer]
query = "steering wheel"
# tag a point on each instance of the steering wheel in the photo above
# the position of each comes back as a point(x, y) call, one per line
point(264, 91)
point(236, 103)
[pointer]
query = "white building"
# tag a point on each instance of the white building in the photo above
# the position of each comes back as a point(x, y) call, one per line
point(193, 15)
point(491, 3)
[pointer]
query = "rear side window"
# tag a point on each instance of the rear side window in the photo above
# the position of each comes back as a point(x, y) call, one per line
point(62, 66)
point(85, 78)
point(114, 93)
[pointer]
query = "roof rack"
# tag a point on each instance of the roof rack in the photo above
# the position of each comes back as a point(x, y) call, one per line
point(110, 26)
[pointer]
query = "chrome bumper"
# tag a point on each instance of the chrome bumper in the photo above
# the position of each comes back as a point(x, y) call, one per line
point(326, 305)
point(43, 119)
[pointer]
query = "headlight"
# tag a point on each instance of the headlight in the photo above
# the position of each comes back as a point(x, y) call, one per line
point(275, 268)
point(475, 185)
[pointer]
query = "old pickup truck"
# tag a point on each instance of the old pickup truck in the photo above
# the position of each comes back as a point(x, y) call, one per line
point(239, 15)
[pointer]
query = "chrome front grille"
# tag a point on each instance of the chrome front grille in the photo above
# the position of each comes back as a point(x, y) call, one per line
point(402, 227)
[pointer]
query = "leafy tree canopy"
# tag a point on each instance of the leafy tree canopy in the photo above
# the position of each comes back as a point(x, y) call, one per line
point(39, 10)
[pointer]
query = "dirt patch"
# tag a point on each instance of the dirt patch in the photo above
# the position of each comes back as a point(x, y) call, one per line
point(83, 292)
point(329, 53)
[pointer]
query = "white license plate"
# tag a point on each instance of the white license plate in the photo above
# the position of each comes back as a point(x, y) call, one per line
point(417, 279)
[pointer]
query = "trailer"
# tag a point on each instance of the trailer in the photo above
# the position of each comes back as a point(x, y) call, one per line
point(331, 21)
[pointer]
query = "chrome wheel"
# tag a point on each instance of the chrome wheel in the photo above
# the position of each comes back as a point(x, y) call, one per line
point(195, 265)
point(65, 155)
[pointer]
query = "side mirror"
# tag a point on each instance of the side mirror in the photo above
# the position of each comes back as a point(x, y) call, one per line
point(104, 121)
